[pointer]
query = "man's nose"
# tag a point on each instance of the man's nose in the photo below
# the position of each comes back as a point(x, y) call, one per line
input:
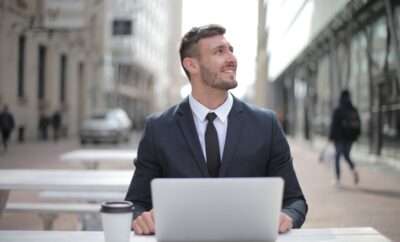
point(232, 57)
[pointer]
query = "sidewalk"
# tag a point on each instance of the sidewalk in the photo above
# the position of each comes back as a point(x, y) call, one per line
point(375, 202)
point(46, 155)
point(39, 154)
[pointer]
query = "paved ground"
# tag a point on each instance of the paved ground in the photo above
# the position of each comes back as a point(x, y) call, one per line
point(46, 155)
point(375, 202)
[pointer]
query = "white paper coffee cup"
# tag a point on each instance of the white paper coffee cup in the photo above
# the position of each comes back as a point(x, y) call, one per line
point(116, 217)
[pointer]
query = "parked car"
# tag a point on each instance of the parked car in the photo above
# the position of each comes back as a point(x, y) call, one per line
point(111, 126)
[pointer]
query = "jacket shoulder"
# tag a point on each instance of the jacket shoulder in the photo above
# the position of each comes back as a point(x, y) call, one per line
point(259, 112)
point(164, 116)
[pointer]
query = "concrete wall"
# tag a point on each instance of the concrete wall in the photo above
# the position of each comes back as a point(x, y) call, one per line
point(78, 47)
point(293, 25)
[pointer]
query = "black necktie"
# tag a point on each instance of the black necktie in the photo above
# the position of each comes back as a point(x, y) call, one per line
point(212, 147)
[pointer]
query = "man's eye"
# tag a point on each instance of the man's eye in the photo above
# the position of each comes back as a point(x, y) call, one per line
point(220, 51)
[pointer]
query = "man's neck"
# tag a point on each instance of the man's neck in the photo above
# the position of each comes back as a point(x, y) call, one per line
point(211, 99)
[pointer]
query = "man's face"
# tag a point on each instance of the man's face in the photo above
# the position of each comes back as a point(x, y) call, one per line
point(217, 62)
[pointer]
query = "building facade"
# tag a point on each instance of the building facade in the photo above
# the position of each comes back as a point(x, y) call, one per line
point(81, 57)
point(318, 48)
point(50, 60)
point(141, 65)
point(260, 87)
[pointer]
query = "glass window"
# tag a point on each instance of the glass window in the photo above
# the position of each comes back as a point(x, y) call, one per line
point(389, 97)
point(321, 122)
point(21, 66)
point(392, 55)
point(122, 27)
point(380, 51)
point(359, 81)
point(397, 12)
point(41, 91)
point(63, 77)
point(343, 66)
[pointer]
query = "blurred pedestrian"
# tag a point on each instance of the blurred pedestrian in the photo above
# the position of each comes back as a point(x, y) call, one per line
point(7, 125)
point(56, 121)
point(345, 130)
point(43, 125)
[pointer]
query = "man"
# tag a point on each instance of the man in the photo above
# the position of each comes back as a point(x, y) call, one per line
point(43, 124)
point(238, 140)
point(344, 131)
point(7, 124)
point(56, 121)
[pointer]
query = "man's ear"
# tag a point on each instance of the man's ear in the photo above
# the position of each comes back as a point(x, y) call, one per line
point(191, 65)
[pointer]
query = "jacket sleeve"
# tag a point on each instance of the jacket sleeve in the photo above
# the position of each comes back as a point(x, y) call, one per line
point(281, 165)
point(146, 169)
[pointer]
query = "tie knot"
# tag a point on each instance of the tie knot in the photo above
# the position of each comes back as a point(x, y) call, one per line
point(210, 117)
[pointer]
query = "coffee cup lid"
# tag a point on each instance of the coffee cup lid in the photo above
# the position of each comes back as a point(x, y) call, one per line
point(116, 207)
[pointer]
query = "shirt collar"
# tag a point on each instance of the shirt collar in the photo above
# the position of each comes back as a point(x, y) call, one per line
point(201, 111)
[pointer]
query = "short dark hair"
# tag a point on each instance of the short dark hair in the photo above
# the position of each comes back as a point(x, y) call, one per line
point(191, 38)
point(345, 97)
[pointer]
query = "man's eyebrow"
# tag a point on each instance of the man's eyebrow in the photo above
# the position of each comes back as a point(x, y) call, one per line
point(230, 47)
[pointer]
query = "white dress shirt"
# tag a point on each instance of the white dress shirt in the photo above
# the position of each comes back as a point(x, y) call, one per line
point(221, 121)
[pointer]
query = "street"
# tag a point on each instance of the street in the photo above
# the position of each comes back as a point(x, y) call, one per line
point(374, 202)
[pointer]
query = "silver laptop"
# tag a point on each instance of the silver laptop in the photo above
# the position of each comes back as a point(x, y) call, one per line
point(217, 209)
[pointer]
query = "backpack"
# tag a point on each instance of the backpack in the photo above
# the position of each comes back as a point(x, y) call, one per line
point(351, 125)
point(6, 121)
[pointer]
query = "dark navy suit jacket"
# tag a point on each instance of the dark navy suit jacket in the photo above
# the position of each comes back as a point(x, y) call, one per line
point(255, 146)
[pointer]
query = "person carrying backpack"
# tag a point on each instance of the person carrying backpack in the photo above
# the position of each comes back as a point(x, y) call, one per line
point(344, 131)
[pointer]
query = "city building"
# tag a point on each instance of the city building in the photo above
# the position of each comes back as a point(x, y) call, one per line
point(317, 48)
point(51, 59)
point(81, 57)
point(260, 86)
point(142, 56)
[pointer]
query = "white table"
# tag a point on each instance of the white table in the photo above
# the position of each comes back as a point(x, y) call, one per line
point(72, 180)
point(62, 180)
point(301, 235)
point(91, 158)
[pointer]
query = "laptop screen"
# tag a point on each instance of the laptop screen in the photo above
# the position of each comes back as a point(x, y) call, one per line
point(217, 209)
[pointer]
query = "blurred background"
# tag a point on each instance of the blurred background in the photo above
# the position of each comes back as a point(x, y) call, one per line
point(99, 67)
point(81, 58)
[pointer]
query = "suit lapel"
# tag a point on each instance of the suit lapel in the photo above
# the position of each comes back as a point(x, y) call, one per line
point(186, 123)
point(233, 134)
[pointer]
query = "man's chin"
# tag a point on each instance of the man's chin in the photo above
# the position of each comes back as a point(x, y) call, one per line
point(225, 84)
point(234, 85)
